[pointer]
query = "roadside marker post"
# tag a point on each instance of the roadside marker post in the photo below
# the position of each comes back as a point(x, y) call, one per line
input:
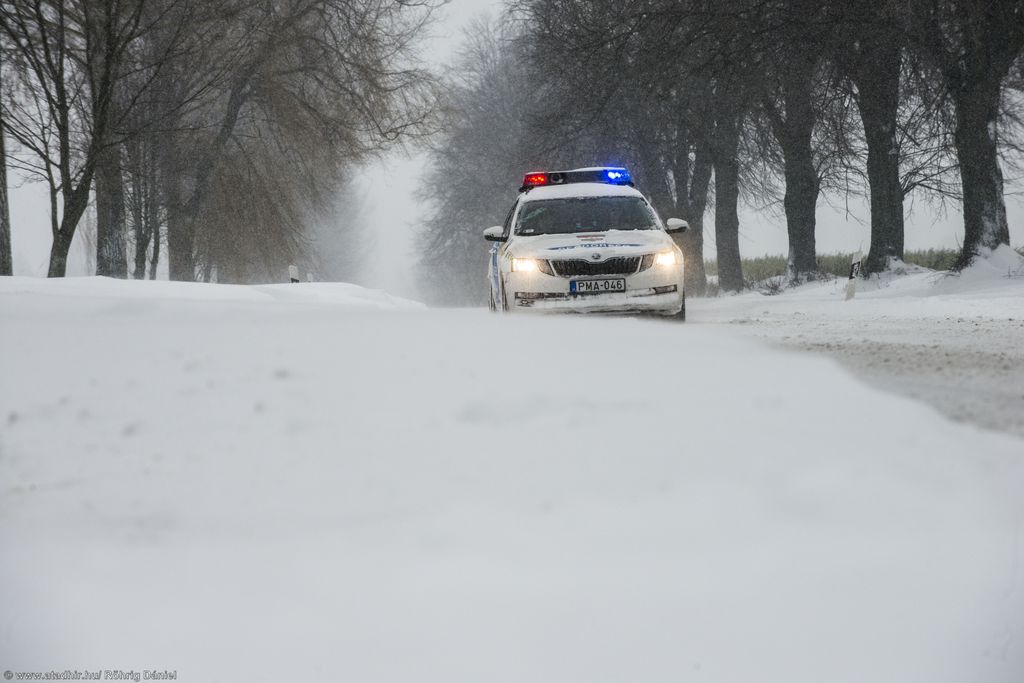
point(851, 284)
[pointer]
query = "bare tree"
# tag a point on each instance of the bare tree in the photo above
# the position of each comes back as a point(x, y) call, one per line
point(142, 197)
point(62, 95)
point(477, 162)
point(973, 46)
point(308, 87)
point(245, 108)
point(724, 51)
point(869, 47)
point(788, 37)
point(610, 96)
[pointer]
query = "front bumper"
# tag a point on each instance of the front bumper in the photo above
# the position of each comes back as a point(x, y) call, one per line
point(657, 290)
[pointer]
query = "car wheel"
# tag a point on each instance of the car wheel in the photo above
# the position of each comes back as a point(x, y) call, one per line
point(681, 315)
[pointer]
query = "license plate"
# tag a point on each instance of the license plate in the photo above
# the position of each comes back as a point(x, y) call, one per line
point(595, 286)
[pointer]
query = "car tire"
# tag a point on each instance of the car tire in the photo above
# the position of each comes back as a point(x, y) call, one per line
point(681, 315)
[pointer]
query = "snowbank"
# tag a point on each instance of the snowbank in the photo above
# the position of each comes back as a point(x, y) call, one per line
point(162, 291)
point(993, 287)
point(282, 492)
point(993, 266)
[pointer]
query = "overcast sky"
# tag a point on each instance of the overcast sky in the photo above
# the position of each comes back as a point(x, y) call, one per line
point(389, 187)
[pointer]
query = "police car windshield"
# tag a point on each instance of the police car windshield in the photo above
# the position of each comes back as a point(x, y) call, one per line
point(584, 214)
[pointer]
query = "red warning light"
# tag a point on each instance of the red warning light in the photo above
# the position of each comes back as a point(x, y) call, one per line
point(535, 179)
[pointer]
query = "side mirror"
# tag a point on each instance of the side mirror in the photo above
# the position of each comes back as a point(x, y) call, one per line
point(676, 225)
point(494, 234)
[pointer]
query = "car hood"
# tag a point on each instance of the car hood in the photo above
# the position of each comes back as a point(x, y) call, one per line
point(596, 246)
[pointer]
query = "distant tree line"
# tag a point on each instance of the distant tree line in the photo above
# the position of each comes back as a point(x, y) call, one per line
point(210, 131)
point(713, 102)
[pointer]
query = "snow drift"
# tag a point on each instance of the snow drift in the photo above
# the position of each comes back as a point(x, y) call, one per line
point(293, 484)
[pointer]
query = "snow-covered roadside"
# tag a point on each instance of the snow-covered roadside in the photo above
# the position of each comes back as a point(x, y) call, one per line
point(294, 488)
point(992, 288)
point(953, 341)
point(162, 292)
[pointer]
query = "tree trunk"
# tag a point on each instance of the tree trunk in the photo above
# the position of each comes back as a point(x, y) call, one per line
point(801, 201)
point(180, 236)
point(692, 241)
point(6, 261)
point(140, 225)
point(154, 259)
point(794, 135)
point(180, 243)
point(184, 215)
point(142, 251)
point(877, 78)
point(111, 246)
point(985, 226)
point(76, 201)
point(59, 253)
point(727, 192)
point(152, 214)
point(689, 201)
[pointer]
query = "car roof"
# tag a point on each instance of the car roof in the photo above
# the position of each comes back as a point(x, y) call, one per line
point(574, 190)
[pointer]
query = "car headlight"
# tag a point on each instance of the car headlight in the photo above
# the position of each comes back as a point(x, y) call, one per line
point(667, 258)
point(524, 265)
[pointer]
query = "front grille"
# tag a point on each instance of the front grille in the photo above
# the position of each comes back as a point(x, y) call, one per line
point(622, 265)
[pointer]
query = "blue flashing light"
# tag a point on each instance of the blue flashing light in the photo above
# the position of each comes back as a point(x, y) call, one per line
point(618, 176)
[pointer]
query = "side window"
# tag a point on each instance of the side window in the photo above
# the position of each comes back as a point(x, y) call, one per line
point(508, 221)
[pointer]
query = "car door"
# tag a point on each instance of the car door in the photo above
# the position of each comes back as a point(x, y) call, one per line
point(496, 256)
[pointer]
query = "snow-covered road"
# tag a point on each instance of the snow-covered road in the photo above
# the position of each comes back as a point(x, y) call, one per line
point(315, 481)
point(954, 342)
point(982, 385)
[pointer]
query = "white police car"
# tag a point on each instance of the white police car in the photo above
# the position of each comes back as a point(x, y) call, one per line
point(586, 241)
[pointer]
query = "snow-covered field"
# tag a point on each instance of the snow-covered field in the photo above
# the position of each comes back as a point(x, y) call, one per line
point(317, 482)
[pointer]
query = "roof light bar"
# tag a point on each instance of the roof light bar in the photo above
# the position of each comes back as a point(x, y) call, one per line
point(606, 175)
